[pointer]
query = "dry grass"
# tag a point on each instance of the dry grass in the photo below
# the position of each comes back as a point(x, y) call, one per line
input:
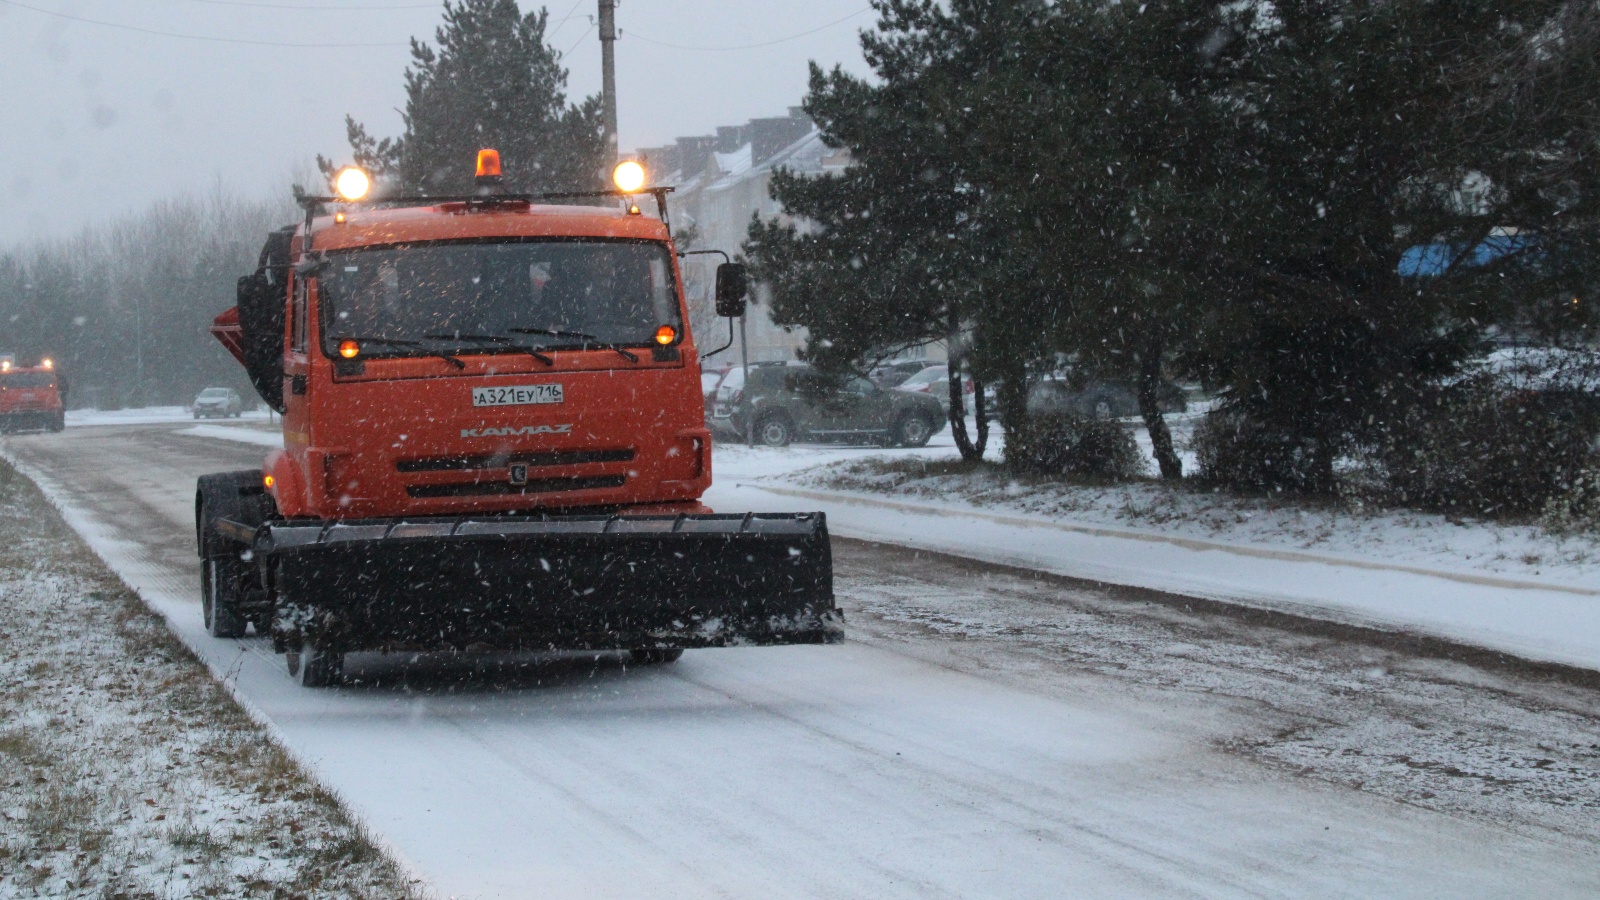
point(126, 771)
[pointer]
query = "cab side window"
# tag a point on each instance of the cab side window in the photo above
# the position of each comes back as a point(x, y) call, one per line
point(297, 326)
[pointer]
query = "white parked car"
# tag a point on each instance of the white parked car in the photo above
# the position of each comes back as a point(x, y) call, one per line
point(216, 401)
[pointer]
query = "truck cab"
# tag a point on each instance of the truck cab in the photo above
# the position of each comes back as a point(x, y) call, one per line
point(31, 397)
point(522, 357)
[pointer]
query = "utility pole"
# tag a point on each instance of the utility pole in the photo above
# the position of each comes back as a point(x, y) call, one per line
point(608, 63)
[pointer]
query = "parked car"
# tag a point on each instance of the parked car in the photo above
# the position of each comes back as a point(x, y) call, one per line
point(709, 381)
point(895, 373)
point(795, 402)
point(1098, 398)
point(217, 401)
point(935, 382)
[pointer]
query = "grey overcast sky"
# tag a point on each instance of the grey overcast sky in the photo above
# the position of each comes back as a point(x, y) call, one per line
point(97, 121)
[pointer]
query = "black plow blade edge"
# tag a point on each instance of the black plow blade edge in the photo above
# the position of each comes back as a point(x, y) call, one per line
point(558, 583)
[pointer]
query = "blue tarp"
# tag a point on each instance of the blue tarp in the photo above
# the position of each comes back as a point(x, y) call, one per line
point(1427, 260)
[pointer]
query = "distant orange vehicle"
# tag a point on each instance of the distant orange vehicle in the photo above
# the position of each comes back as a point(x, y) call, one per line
point(31, 397)
point(493, 438)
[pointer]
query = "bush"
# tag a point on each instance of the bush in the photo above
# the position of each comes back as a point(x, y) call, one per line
point(1480, 447)
point(1235, 450)
point(1064, 445)
point(1578, 509)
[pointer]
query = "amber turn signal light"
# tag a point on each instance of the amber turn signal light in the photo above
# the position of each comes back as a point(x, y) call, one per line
point(349, 349)
point(666, 334)
point(268, 481)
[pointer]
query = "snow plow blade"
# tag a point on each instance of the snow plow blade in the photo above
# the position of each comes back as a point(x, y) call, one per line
point(552, 583)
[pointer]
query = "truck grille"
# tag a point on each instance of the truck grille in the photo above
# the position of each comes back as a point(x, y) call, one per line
point(506, 488)
point(501, 461)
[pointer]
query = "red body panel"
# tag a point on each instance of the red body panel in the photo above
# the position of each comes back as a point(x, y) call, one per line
point(402, 437)
point(29, 400)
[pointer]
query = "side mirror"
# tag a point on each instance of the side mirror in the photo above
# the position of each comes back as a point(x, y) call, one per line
point(732, 286)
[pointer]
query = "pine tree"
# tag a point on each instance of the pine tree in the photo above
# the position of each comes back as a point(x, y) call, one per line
point(493, 81)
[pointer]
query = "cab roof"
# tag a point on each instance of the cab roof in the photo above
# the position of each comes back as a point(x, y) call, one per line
point(365, 227)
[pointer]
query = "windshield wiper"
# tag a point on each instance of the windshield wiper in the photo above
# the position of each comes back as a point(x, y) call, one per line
point(417, 345)
point(589, 340)
point(504, 342)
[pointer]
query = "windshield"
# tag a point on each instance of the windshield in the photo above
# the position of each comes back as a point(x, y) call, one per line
point(27, 380)
point(549, 294)
point(214, 394)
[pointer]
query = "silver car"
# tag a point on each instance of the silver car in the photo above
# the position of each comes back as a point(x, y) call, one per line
point(215, 402)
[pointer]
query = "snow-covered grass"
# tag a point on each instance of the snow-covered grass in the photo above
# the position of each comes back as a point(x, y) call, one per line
point(125, 769)
point(1400, 536)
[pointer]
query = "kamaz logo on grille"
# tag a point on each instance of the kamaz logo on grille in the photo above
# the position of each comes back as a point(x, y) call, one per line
point(515, 432)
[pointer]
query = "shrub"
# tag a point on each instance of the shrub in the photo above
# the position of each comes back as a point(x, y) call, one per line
point(1235, 450)
point(1065, 445)
point(1480, 447)
point(1578, 508)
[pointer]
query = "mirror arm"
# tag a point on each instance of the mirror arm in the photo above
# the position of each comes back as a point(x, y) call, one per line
point(706, 356)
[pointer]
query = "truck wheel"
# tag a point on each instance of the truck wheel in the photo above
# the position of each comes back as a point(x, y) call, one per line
point(774, 430)
point(315, 668)
point(656, 656)
point(219, 596)
point(59, 423)
point(913, 430)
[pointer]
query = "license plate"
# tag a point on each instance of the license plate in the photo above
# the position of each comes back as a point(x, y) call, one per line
point(517, 395)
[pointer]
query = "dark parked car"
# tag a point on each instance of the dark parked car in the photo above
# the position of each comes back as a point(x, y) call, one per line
point(794, 402)
point(1098, 399)
point(216, 401)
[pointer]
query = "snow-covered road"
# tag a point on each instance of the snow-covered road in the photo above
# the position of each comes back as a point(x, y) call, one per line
point(948, 749)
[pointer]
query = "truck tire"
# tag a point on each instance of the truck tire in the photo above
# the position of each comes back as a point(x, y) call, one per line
point(314, 667)
point(223, 575)
point(656, 656)
point(59, 423)
point(912, 430)
point(774, 430)
point(219, 596)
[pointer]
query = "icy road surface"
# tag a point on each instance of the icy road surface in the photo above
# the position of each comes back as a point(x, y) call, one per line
point(983, 733)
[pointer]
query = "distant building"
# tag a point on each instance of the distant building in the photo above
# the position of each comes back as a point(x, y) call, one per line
point(722, 180)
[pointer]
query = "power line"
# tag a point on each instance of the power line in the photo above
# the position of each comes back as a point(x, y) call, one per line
point(579, 41)
point(187, 37)
point(564, 19)
point(752, 46)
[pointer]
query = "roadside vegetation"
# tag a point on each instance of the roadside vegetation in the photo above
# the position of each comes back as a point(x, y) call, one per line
point(126, 770)
point(1323, 213)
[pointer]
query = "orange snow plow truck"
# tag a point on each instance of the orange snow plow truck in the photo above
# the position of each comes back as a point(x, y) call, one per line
point(31, 396)
point(493, 439)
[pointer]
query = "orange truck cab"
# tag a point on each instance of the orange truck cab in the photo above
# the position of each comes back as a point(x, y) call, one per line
point(493, 438)
point(31, 397)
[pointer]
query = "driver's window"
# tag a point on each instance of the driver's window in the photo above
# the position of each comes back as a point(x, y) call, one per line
point(297, 328)
point(860, 386)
